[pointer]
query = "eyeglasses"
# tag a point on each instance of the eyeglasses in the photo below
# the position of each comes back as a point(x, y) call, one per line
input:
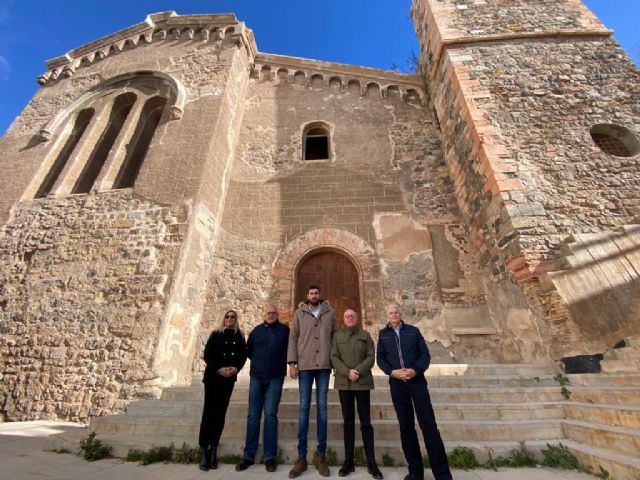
point(230, 315)
point(272, 313)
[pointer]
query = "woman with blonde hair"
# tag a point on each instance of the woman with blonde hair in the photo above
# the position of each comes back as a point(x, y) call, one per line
point(224, 354)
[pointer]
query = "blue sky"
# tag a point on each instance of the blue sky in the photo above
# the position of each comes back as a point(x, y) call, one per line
point(376, 33)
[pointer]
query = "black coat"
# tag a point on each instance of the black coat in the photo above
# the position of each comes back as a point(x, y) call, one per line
point(267, 349)
point(413, 352)
point(224, 349)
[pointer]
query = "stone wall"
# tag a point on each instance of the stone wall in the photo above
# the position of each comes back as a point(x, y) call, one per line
point(387, 184)
point(145, 334)
point(84, 282)
point(516, 97)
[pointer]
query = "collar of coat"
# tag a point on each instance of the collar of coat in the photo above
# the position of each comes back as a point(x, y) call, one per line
point(402, 325)
point(324, 306)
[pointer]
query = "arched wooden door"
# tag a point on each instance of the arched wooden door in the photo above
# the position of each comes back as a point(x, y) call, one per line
point(337, 278)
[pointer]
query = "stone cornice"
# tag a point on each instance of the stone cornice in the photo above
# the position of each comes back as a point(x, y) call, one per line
point(164, 26)
point(329, 71)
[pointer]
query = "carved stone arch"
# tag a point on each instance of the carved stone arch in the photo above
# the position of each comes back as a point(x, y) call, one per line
point(412, 95)
point(317, 80)
point(283, 75)
point(354, 87)
point(176, 105)
point(343, 241)
point(392, 92)
point(299, 77)
point(336, 82)
point(373, 89)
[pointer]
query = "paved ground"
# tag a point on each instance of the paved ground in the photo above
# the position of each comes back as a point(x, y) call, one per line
point(24, 456)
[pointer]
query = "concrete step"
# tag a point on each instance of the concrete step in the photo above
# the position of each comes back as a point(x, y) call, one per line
point(438, 395)
point(605, 395)
point(625, 441)
point(123, 443)
point(379, 411)
point(452, 430)
point(610, 366)
point(626, 353)
point(632, 341)
point(604, 379)
point(620, 466)
point(452, 381)
point(615, 415)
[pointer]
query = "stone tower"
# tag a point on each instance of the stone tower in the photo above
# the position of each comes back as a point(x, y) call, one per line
point(170, 171)
point(539, 113)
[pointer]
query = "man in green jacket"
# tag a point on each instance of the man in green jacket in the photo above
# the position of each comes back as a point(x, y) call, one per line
point(352, 356)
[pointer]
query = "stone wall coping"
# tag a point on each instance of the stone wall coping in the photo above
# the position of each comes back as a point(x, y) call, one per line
point(156, 27)
point(339, 69)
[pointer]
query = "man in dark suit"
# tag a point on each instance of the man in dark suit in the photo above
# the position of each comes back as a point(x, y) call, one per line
point(403, 355)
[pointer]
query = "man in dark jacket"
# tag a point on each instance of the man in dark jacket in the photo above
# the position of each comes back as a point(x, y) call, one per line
point(403, 355)
point(267, 349)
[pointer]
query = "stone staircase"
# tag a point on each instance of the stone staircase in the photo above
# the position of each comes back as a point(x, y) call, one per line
point(625, 359)
point(489, 408)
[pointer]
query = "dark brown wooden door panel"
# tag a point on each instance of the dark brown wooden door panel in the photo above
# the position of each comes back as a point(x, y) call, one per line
point(337, 278)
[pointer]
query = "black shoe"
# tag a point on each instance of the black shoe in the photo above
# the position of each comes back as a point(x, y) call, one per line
point(346, 469)
point(243, 465)
point(213, 458)
point(270, 465)
point(204, 459)
point(374, 471)
point(411, 476)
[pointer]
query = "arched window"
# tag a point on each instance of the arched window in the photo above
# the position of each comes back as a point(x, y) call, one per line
point(80, 125)
point(113, 129)
point(149, 119)
point(119, 112)
point(316, 142)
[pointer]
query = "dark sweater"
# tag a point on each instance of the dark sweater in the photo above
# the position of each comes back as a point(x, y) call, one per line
point(267, 349)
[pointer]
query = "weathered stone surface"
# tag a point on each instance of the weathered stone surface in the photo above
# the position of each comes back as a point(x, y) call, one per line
point(84, 283)
point(472, 193)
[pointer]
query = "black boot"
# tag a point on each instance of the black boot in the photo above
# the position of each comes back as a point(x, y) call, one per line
point(213, 458)
point(204, 459)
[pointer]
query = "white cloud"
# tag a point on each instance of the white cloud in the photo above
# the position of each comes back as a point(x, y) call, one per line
point(5, 68)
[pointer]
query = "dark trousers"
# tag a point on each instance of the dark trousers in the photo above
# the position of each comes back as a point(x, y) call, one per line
point(347, 400)
point(217, 393)
point(406, 397)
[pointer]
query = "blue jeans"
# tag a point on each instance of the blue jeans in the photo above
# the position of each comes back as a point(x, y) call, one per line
point(305, 383)
point(263, 393)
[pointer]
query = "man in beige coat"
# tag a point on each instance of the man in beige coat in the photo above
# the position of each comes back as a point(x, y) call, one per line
point(312, 328)
point(352, 355)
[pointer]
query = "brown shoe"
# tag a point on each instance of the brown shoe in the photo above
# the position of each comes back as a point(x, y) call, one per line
point(298, 467)
point(321, 465)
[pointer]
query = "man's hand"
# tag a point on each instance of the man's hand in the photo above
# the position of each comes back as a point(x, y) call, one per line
point(353, 375)
point(403, 374)
point(227, 371)
point(293, 371)
point(409, 373)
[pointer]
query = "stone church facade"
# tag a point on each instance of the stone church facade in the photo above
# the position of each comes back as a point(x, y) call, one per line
point(171, 171)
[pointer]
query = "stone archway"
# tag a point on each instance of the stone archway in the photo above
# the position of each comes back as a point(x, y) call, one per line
point(347, 243)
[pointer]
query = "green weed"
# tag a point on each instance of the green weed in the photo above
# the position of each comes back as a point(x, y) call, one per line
point(92, 449)
point(559, 456)
point(388, 460)
point(359, 459)
point(463, 457)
